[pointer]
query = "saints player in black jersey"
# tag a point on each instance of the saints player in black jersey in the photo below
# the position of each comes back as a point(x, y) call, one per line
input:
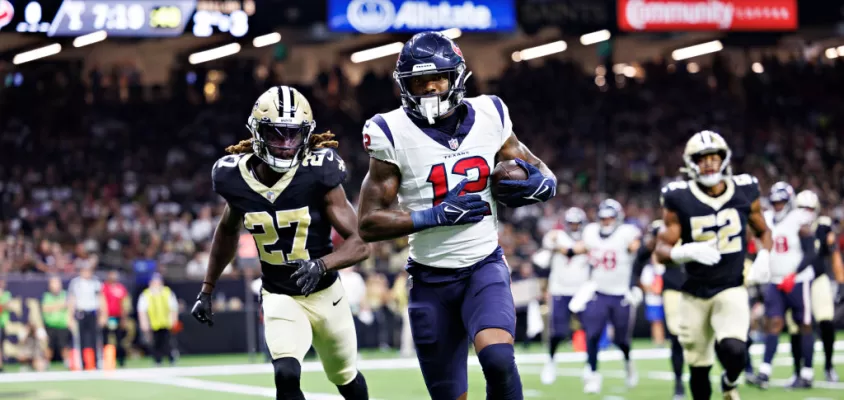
point(285, 187)
point(823, 306)
point(672, 282)
point(708, 215)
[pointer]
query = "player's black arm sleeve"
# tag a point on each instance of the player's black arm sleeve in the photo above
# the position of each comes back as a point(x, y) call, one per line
point(641, 259)
point(344, 220)
point(223, 247)
point(378, 220)
point(807, 244)
point(513, 149)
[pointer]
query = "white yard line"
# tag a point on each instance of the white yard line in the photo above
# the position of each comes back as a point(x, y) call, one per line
point(316, 366)
point(234, 388)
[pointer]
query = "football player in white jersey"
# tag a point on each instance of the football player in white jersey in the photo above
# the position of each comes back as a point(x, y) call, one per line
point(434, 155)
point(823, 306)
point(569, 272)
point(612, 246)
point(791, 279)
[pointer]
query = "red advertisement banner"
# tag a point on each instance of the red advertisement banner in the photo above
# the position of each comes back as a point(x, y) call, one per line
point(707, 15)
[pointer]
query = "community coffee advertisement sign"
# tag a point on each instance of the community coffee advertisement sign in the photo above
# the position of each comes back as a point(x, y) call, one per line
point(702, 15)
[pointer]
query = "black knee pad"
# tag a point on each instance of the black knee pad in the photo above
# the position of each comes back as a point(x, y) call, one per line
point(732, 349)
point(288, 371)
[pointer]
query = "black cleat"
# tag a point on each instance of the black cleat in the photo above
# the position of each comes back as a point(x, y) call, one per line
point(759, 380)
point(800, 383)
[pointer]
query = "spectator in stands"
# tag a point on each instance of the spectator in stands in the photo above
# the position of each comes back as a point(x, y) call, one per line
point(651, 280)
point(117, 311)
point(158, 311)
point(56, 317)
point(87, 306)
point(5, 298)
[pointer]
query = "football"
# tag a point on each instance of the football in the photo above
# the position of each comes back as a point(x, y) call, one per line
point(507, 170)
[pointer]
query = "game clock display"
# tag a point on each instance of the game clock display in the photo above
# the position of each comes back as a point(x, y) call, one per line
point(129, 18)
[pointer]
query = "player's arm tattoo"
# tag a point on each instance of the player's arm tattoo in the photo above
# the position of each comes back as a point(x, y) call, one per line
point(668, 236)
point(760, 227)
point(378, 220)
point(223, 246)
point(513, 149)
point(342, 216)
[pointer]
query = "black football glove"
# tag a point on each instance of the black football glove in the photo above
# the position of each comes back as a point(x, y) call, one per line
point(202, 309)
point(308, 274)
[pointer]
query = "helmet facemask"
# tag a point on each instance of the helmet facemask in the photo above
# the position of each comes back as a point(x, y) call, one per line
point(712, 179)
point(281, 145)
point(574, 221)
point(610, 210)
point(430, 106)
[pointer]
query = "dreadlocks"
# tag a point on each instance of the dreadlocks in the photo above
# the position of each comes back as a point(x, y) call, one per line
point(316, 141)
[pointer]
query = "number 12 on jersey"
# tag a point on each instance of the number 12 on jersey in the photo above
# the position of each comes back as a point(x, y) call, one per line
point(439, 178)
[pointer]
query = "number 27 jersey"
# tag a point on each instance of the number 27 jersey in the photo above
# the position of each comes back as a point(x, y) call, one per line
point(431, 163)
point(723, 218)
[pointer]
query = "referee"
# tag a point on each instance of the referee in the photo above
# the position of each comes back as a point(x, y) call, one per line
point(85, 299)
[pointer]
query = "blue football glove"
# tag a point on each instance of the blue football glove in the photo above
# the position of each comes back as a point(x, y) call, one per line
point(454, 210)
point(308, 274)
point(536, 188)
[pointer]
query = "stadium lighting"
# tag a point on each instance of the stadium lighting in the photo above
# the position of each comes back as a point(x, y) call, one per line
point(35, 54)
point(840, 50)
point(90, 38)
point(394, 48)
point(266, 40)
point(540, 51)
point(377, 52)
point(697, 50)
point(213, 54)
point(757, 68)
point(693, 68)
point(831, 53)
point(452, 33)
point(595, 37)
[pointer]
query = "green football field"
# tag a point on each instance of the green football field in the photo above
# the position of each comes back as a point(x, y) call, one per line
point(389, 377)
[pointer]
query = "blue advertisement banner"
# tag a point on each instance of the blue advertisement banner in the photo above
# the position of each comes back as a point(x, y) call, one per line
point(377, 16)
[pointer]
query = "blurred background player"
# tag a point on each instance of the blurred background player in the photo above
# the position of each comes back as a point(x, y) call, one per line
point(54, 309)
point(611, 299)
point(285, 186)
point(672, 282)
point(158, 312)
point(87, 308)
point(791, 278)
point(569, 272)
point(434, 155)
point(118, 305)
point(5, 297)
point(709, 214)
point(828, 263)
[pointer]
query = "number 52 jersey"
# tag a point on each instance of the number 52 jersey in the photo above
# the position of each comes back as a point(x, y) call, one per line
point(287, 220)
point(431, 163)
point(722, 218)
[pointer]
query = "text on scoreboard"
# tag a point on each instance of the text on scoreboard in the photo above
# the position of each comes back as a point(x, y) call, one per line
point(131, 18)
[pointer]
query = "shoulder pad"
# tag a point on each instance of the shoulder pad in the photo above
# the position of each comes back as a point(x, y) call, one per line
point(378, 139)
point(745, 179)
point(503, 117)
point(328, 164)
point(222, 170)
point(749, 184)
point(669, 191)
point(825, 221)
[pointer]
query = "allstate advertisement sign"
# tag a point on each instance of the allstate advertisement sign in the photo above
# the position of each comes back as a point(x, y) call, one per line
point(376, 16)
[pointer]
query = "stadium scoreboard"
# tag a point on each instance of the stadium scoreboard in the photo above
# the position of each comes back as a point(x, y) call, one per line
point(127, 18)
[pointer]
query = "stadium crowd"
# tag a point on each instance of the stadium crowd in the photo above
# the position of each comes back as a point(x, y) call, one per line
point(98, 170)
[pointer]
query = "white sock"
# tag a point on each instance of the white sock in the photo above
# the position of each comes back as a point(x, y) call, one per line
point(807, 373)
point(765, 369)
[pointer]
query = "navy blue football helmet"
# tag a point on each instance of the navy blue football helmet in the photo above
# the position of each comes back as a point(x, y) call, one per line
point(429, 53)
